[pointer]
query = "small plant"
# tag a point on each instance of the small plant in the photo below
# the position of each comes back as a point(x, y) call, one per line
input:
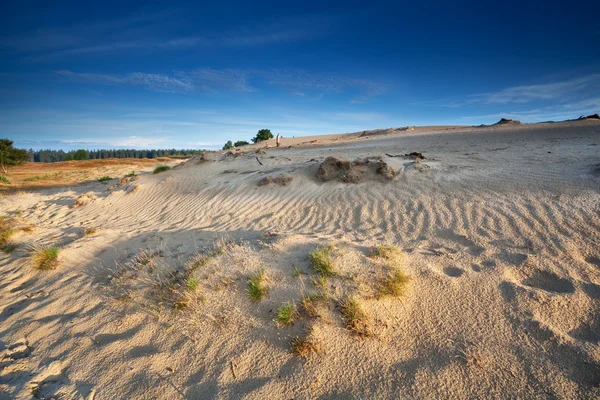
point(90, 231)
point(161, 168)
point(191, 284)
point(321, 260)
point(310, 304)
point(131, 174)
point(297, 272)
point(388, 252)
point(256, 286)
point(286, 314)
point(354, 317)
point(319, 282)
point(8, 247)
point(45, 258)
point(181, 304)
point(394, 284)
point(104, 179)
point(4, 179)
point(303, 347)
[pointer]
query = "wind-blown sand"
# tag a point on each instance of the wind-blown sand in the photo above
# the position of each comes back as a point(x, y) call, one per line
point(500, 226)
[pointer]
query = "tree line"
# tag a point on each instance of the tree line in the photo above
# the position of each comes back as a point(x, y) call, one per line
point(60, 155)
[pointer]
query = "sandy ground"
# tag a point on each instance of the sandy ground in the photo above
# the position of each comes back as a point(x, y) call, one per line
point(500, 227)
point(44, 175)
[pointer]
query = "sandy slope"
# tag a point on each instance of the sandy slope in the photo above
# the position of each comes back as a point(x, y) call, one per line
point(500, 225)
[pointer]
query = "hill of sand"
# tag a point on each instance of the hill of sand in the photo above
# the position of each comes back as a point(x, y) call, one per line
point(500, 233)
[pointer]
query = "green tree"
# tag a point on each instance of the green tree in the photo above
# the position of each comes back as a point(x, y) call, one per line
point(263, 134)
point(228, 145)
point(240, 143)
point(9, 156)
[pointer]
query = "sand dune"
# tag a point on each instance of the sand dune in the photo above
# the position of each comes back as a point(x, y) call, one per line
point(500, 227)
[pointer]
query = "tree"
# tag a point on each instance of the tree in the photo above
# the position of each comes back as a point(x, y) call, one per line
point(81, 155)
point(263, 134)
point(228, 145)
point(9, 156)
point(240, 143)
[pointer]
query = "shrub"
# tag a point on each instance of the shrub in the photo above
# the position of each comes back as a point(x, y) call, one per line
point(240, 143)
point(228, 145)
point(321, 260)
point(286, 314)
point(161, 168)
point(4, 179)
point(104, 179)
point(256, 286)
point(45, 258)
point(263, 134)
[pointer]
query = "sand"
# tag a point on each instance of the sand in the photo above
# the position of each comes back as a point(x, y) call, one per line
point(500, 227)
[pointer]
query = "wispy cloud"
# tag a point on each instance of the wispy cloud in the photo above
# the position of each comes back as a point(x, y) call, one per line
point(298, 82)
point(547, 91)
point(130, 141)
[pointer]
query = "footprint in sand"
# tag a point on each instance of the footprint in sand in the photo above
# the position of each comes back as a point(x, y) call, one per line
point(549, 282)
point(453, 272)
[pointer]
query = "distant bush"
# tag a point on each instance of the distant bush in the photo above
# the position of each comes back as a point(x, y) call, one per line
point(240, 143)
point(161, 168)
point(104, 179)
point(4, 179)
point(228, 145)
point(263, 134)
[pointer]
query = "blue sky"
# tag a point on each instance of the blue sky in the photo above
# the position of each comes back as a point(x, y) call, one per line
point(194, 75)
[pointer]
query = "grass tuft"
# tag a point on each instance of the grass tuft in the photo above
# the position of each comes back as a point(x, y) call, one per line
point(4, 179)
point(310, 304)
point(191, 284)
point(90, 231)
point(161, 168)
point(303, 347)
point(321, 260)
point(256, 286)
point(45, 258)
point(286, 314)
point(394, 284)
point(388, 252)
point(104, 179)
point(355, 319)
point(131, 174)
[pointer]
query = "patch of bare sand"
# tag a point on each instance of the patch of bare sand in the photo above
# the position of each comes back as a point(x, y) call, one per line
point(500, 234)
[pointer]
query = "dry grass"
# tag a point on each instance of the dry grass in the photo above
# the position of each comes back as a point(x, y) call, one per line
point(388, 252)
point(45, 258)
point(394, 284)
point(90, 231)
point(282, 180)
point(321, 261)
point(304, 346)
point(256, 286)
point(355, 319)
point(310, 304)
point(286, 314)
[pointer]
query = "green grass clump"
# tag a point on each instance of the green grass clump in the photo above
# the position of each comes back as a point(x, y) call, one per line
point(355, 319)
point(4, 179)
point(394, 284)
point(256, 286)
point(191, 284)
point(131, 174)
point(161, 168)
point(104, 179)
point(40, 177)
point(45, 258)
point(286, 314)
point(321, 260)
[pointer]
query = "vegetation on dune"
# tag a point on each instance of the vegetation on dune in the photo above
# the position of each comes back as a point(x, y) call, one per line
point(240, 143)
point(228, 145)
point(394, 284)
point(10, 156)
point(4, 179)
point(321, 260)
point(256, 286)
point(286, 314)
point(263, 134)
point(355, 319)
point(45, 258)
point(161, 168)
point(104, 179)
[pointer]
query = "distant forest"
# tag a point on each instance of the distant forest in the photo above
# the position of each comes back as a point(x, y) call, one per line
point(59, 155)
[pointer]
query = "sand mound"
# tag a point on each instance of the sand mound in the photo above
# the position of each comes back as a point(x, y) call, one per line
point(353, 172)
point(282, 180)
